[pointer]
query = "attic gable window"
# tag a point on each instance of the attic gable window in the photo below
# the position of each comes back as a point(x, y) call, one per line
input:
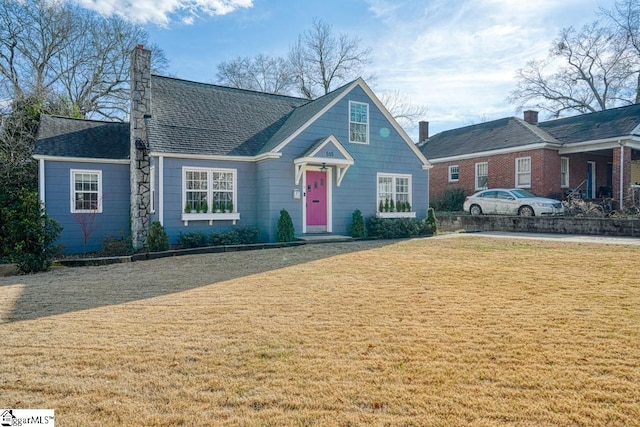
point(358, 122)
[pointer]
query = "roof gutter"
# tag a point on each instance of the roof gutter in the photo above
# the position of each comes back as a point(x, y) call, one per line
point(494, 152)
point(257, 158)
point(601, 144)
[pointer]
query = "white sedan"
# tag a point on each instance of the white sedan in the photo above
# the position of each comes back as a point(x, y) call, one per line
point(511, 201)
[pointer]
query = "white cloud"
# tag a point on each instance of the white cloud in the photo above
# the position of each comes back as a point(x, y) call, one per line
point(162, 11)
point(459, 57)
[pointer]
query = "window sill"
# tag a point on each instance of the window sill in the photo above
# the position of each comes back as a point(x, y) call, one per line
point(211, 217)
point(396, 214)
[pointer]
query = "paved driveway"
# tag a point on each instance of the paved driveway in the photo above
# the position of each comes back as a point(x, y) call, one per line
point(570, 238)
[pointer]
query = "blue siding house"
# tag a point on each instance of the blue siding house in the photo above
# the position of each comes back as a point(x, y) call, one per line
point(201, 157)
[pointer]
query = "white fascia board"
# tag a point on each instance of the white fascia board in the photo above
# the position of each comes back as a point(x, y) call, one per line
point(315, 117)
point(80, 159)
point(603, 144)
point(327, 160)
point(393, 122)
point(359, 82)
point(494, 152)
point(217, 157)
point(336, 143)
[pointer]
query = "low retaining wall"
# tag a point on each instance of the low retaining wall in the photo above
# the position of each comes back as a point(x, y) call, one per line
point(559, 225)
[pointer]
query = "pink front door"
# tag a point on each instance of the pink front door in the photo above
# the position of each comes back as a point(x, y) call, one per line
point(316, 198)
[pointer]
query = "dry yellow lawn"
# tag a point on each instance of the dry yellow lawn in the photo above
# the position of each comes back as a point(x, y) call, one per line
point(427, 332)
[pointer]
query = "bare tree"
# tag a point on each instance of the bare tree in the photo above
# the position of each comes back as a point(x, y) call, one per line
point(625, 17)
point(402, 109)
point(262, 73)
point(322, 61)
point(53, 50)
point(318, 62)
point(587, 70)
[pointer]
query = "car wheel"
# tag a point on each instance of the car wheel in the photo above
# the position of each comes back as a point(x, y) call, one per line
point(475, 210)
point(526, 211)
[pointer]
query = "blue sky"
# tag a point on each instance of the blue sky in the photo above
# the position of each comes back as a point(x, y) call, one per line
point(456, 57)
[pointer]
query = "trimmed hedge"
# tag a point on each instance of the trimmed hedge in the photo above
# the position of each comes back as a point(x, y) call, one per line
point(238, 236)
point(397, 228)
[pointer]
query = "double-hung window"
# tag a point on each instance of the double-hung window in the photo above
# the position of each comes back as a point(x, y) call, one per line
point(394, 193)
point(523, 172)
point(564, 171)
point(482, 172)
point(454, 173)
point(210, 192)
point(358, 122)
point(86, 191)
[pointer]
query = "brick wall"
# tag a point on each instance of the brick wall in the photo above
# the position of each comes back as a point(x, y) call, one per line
point(545, 173)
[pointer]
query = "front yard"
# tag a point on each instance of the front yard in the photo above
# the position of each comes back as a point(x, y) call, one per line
point(460, 331)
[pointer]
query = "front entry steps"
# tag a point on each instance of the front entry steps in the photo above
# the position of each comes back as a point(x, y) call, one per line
point(323, 238)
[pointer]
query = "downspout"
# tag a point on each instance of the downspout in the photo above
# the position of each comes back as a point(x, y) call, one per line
point(621, 174)
point(161, 190)
point(41, 180)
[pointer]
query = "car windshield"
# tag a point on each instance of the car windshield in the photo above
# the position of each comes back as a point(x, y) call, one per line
point(522, 194)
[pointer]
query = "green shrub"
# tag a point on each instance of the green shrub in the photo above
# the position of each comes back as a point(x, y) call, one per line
point(432, 223)
point(451, 200)
point(194, 239)
point(27, 234)
point(117, 245)
point(395, 228)
point(286, 231)
point(358, 229)
point(157, 239)
point(225, 238)
point(247, 235)
point(237, 236)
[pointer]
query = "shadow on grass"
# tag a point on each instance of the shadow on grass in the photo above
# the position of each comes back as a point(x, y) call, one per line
point(65, 290)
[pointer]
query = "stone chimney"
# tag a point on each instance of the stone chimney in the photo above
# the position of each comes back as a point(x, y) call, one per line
point(531, 117)
point(140, 74)
point(423, 132)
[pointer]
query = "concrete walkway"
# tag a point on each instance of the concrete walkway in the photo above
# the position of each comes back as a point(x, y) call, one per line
point(573, 238)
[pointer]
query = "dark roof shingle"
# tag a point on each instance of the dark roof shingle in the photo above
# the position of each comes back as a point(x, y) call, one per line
point(494, 135)
point(197, 118)
point(513, 132)
point(611, 123)
point(66, 137)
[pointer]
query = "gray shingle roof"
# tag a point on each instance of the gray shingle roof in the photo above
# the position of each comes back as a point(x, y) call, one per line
point(513, 132)
point(612, 123)
point(300, 116)
point(193, 118)
point(66, 137)
point(494, 135)
point(198, 118)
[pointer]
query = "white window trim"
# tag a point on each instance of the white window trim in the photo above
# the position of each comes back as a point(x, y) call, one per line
point(209, 216)
point(393, 176)
point(477, 165)
point(449, 174)
point(566, 183)
point(349, 122)
point(518, 173)
point(72, 194)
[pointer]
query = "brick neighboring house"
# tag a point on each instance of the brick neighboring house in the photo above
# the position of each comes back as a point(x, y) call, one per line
point(591, 153)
